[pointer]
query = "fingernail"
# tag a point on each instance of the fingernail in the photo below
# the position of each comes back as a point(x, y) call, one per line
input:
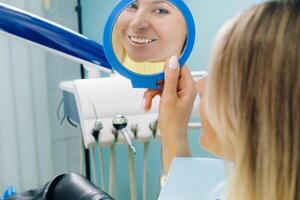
point(173, 62)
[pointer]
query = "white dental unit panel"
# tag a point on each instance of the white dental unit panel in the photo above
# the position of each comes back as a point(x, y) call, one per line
point(111, 96)
point(114, 96)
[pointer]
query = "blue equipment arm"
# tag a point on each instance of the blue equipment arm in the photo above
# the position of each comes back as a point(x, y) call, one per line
point(53, 37)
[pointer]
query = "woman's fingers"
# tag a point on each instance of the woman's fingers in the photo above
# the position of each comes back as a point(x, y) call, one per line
point(178, 83)
point(186, 85)
point(148, 96)
point(171, 78)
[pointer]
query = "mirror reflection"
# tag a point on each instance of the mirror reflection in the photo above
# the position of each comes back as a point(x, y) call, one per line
point(147, 33)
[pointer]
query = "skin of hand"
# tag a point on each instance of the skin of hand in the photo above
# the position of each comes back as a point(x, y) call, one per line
point(177, 97)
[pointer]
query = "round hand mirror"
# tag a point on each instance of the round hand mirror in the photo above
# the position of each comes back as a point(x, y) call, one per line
point(141, 35)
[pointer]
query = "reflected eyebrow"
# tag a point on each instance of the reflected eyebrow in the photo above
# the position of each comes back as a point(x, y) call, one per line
point(162, 1)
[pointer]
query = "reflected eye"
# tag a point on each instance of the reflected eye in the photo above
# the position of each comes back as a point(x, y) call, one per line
point(133, 6)
point(161, 11)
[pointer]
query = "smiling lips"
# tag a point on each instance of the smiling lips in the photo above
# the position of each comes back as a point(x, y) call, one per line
point(141, 40)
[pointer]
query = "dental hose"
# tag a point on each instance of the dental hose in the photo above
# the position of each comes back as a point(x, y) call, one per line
point(112, 170)
point(133, 191)
point(94, 166)
point(98, 127)
point(145, 170)
point(101, 166)
point(81, 157)
point(101, 160)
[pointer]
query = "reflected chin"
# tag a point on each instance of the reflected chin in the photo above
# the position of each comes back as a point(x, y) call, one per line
point(137, 58)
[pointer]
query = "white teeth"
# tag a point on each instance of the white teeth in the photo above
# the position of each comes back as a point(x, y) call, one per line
point(141, 40)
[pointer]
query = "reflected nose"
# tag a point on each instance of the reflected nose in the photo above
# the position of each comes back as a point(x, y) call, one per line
point(140, 22)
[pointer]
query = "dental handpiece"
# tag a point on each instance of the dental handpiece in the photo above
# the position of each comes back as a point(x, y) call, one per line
point(120, 123)
point(97, 124)
point(97, 128)
point(153, 126)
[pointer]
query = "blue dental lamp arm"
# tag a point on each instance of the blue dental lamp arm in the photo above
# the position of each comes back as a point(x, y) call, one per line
point(52, 37)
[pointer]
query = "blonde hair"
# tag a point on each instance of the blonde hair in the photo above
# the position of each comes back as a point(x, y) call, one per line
point(253, 101)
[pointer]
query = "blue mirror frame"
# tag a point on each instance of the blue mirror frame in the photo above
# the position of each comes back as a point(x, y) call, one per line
point(139, 80)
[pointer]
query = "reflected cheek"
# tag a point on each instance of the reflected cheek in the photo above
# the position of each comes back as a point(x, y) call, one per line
point(121, 29)
point(172, 44)
point(172, 32)
point(123, 22)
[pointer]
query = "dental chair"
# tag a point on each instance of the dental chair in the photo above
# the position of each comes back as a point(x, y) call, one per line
point(65, 187)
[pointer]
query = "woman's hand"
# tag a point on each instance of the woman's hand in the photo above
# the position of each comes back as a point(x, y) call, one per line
point(175, 107)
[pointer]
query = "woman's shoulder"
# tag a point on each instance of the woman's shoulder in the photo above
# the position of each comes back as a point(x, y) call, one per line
point(195, 178)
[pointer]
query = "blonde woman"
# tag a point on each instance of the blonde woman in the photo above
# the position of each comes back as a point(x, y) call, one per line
point(251, 103)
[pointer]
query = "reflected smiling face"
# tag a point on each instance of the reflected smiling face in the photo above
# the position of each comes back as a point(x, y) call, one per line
point(151, 30)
